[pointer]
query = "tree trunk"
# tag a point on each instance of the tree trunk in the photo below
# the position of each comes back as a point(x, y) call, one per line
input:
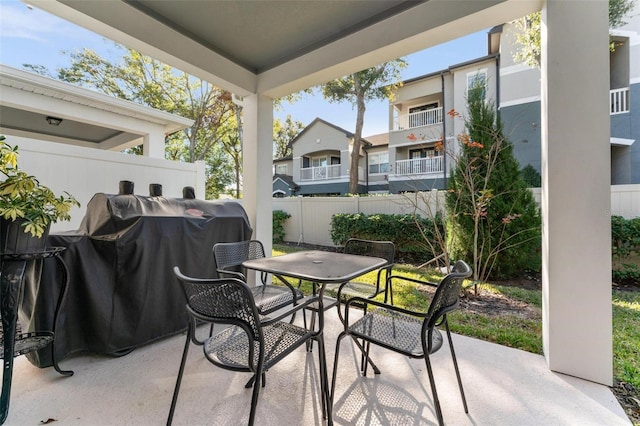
point(355, 154)
point(238, 114)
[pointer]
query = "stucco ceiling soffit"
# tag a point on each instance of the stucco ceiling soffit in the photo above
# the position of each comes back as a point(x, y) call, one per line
point(426, 25)
point(119, 21)
point(279, 47)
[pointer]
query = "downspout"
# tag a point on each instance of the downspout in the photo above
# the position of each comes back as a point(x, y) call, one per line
point(444, 133)
point(366, 170)
point(498, 85)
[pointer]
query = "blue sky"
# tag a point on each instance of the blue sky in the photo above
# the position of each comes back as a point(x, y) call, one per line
point(31, 36)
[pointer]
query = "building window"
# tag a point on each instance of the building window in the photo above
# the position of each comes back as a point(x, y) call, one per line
point(379, 163)
point(319, 161)
point(424, 153)
point(281, 169)
point(477, 80)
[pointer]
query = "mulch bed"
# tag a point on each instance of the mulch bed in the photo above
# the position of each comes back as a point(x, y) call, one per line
point(629, 398)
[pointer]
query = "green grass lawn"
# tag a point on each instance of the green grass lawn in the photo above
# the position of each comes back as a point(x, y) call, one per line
point(521, 332)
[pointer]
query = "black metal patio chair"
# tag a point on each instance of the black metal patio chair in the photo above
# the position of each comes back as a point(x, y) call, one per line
point(228, 258)
point(411, 333)
point(383, 249)
point(250, 342)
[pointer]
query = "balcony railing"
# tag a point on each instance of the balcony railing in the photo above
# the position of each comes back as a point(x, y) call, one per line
point(419, 166)
point(320, 173)
point(619, 100)
point(418, 119)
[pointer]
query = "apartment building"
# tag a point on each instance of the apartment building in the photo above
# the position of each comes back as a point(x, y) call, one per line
point(428, 112)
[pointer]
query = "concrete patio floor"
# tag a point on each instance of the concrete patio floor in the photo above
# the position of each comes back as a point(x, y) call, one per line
point(504, 386)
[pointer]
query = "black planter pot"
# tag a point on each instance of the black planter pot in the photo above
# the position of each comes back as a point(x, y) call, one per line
point(14, 240)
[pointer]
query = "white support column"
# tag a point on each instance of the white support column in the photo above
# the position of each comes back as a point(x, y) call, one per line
point(257, 165)
point(153, 145)
point(576, 241)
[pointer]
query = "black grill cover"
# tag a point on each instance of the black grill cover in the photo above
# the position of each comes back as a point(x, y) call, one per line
point(122, 292)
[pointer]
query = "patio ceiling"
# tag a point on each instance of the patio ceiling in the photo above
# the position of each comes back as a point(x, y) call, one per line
point(279, 47)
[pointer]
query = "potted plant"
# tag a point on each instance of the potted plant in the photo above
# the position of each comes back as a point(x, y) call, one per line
point(27, 208)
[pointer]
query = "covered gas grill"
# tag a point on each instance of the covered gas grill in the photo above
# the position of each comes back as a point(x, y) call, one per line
point(121, 290)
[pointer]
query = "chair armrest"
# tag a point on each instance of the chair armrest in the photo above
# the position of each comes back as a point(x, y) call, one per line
point(231, 274)
point(366, 302)
point(413, 280)
point(288, 311)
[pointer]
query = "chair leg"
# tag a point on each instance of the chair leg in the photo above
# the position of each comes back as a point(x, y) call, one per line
point(455, 365)
point(312, 325)
point(436, 401)
point(365, 362)
point(176, 390)
point(335, 368)
point(256, 391)
point(249, 384)
point(194, 339)
point(304, 322)
point(324, 381)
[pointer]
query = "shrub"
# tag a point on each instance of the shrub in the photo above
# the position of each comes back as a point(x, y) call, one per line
point(279, 218)
point(495, 222)
point(405, 231)
point(625, 243)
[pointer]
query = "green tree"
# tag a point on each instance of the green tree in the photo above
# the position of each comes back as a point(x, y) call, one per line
point(494, 220)
point(283, 134)
point(528, 35)
point(531, 176)
point(379, 82)
point(143, 80)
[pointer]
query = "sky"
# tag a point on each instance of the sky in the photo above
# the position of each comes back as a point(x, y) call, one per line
point(31, 36)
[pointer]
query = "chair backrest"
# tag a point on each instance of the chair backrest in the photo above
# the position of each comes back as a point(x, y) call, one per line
point(222, 300)
point(447, 295)
point(383, 249)
point(229, 256)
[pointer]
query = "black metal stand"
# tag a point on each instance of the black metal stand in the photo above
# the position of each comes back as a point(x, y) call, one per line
point(11, 282)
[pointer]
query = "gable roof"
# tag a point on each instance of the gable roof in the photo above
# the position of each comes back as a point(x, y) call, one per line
point(317, 120)
point(379, 139)
point(288, 180)
point(450, 68)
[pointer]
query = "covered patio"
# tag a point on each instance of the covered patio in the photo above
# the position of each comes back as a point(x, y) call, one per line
point(504, 386)
point(261, 51)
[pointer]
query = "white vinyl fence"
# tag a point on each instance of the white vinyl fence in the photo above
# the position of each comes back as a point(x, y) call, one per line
point(84, 172)
point(310, 220)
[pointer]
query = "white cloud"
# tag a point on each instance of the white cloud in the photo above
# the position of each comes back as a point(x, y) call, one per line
point(21, 22)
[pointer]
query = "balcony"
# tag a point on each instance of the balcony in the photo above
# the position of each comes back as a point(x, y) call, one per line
point(320, 173)
point(418, 119)
point(619, 101)
point(420, 166)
